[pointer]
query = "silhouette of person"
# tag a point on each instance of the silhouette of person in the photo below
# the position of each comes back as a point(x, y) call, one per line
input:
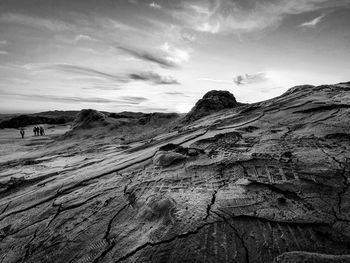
point(42, 132)
point(22, 132)
point(34, 131)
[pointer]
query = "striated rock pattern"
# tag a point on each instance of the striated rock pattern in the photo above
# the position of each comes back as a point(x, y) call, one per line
point(255, 182)
point(211, 102)
point(297, 256)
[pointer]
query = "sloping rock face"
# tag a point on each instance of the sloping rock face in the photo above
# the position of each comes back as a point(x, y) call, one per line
point(212, 101)
point(267, 179)
point(297, 256)
point(88, 118)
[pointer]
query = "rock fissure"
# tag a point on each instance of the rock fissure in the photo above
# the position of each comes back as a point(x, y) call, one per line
point(106, 237)
point(150, 244)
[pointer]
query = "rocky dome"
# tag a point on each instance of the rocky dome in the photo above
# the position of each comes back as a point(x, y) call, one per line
point(212, 101)
point(87, 118)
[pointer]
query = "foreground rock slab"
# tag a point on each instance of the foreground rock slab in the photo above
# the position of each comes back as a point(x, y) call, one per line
point(252, 184)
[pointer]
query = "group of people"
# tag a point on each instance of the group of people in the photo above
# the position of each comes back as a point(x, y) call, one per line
point(38, 131)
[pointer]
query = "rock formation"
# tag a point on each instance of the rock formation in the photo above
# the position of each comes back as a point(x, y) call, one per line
point(212, 101)
point(88, 119)
point(256, 183)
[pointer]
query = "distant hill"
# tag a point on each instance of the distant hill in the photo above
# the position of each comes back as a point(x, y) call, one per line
point(56, 113)
point(127, 126)
point(48, 117)
point(61, 117)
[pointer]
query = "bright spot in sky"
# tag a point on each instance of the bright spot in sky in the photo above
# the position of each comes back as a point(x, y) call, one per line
point(184, 108)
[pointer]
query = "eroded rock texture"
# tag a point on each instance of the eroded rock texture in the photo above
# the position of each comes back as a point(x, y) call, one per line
point(252, 184)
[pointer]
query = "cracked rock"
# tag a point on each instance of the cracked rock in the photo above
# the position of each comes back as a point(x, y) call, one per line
point(266, 182)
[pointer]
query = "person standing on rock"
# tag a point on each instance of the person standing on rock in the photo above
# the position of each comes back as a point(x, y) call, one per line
point(34, 131)
point(22, 132)
point(42, 132)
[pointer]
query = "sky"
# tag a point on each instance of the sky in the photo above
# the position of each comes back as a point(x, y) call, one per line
point(164, 55)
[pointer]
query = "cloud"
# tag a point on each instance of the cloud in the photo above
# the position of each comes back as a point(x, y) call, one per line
point(176, 55)
point(188, 37)
point(129, 100)
point(84, 38)
point(148, 76)
point(154, 78)
point(102, 87)
point(220, 81)
point(3, 42)
point(109, 23)
point(2, 52)
point(150, 57)
point(36, 22)
point(314, 22)
point(74, 69)
point(250, 78)
point(174, 93)
point(244, 16)
point(152, 109)
point(155, 5)
point(134, 100)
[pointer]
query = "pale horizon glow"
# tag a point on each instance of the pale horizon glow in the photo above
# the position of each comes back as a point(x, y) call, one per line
point(148, 56)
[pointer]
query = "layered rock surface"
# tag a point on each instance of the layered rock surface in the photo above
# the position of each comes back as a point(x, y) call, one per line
point(253, 183)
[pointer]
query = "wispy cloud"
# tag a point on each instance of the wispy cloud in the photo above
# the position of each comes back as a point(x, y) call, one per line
point(148, 76)
point(314, 22)
point(3, 42)
point(220, 81)
point(150, 57)
point(188, 37)
point(227, 16)
point(174, 54)
point(3, 52)
point(72, 69)
point(108, 23)
point(250, 78)
point(174, 93)
point(155, 5)
point(154, 78)
point(36, 22)
point(152, 109)
point(128, 100)
point(134, 100)
point(166, 56)
point(83, 37)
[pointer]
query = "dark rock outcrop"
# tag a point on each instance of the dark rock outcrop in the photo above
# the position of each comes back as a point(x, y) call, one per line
point(88, 119)
point(212, 101)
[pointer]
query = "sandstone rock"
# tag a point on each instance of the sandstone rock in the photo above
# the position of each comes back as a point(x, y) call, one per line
point(212, 101)
point(164, 159)
point(274, 186)
point(87, 119)
point(307, 257)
